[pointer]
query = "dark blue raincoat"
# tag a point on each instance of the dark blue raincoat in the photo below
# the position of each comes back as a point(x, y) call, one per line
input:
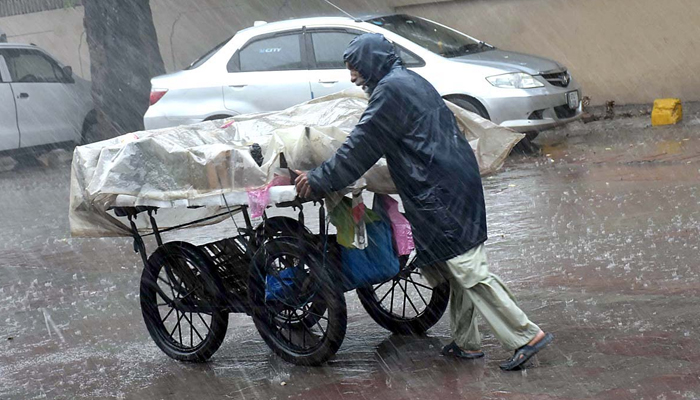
point(430, 161)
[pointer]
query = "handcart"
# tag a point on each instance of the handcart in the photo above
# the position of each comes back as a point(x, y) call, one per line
point(281, 273)
point(188, 291)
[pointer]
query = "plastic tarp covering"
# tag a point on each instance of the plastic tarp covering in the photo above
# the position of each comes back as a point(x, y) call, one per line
point(210, 166)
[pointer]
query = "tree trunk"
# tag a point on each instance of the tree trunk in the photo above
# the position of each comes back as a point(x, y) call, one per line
point(124, 56)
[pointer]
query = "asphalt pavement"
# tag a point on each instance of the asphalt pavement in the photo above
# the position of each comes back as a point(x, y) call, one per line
point(597, 236)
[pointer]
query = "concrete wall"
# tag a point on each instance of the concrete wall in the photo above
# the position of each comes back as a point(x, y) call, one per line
point(629, 51)
point(186, 28)
point(60, 32)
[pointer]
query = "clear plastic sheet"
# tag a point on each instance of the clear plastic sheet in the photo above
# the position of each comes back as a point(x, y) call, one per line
point(197, 164)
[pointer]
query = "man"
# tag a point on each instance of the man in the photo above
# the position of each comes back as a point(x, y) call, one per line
point(437, 176)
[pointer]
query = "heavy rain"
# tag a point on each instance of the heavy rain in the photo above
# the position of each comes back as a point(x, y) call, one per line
point(240, 280)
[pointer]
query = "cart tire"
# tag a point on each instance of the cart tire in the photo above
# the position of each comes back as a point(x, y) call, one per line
point(285, 324)
point(180, 271)
point(407, 310)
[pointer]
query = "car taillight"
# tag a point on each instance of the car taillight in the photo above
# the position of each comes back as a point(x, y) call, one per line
point(157, 94)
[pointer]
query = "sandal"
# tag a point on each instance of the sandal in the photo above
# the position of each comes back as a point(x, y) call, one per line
point(452, 350)
point(525, 353)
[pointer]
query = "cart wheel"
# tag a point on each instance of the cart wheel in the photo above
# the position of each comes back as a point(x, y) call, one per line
point(178, 300)
point(406, 304)
point(304, 323)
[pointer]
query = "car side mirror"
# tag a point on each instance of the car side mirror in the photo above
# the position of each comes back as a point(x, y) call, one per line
point(68, 70)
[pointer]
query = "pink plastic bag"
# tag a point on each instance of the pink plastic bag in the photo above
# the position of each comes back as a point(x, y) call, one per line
point(259, 199)
point(403, 235)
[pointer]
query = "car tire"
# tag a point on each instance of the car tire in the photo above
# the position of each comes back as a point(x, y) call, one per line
point(471, 105)
point(90, 133)
point(532, 135)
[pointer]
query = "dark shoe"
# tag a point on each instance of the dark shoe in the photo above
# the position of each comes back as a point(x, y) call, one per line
point(452, 350)
point(525, 353)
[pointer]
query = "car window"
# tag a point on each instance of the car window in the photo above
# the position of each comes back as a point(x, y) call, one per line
point(3, 74)
point(329, 48)
point(32, 66)
point(206, 56)
point(436, 38)
point(409, 59)
point(279, 53)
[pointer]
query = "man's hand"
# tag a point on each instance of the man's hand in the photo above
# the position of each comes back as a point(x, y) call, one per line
point(302, 185)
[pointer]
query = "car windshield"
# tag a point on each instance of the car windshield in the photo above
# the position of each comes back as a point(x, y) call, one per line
point(436, 38)
point(201, 60)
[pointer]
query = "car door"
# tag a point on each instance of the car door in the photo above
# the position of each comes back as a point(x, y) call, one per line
point(328, 72)
point(269, 73)
point(47, 111)
point(9, 133)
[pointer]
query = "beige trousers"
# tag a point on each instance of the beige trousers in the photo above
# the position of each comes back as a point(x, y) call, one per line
point(473, 288)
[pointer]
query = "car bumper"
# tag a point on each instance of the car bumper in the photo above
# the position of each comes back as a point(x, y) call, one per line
point(156, 120)
point(534, 110)
point(536, 125)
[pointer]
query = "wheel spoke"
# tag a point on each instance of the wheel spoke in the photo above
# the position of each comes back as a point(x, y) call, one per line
point(320, 327)
point(405, 292)
point(422, 285)
point(387, 293)
point(191, 322)
point(380, 285)
point(164, 281)
point(403, 312)
point(167, 315)
point(164, 296)
point(177, 324)
point(168, 272)
point(204, 322)
point(418, 290)
point(316, 315)
point(391, 310)
point(311, 333)
point(278, 331)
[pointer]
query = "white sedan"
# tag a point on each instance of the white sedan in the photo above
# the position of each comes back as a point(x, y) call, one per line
point(273, 66)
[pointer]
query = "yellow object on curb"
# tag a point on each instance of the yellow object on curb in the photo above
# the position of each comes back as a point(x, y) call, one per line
point(666, 112)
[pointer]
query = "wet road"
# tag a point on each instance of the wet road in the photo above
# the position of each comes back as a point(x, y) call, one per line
point(598, 237)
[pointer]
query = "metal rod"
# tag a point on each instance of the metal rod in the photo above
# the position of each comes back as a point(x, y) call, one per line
point(246, 216)
point(159, 240)
point(189, 223)
point(322, 219)
point(139, 246)
point(341, 10)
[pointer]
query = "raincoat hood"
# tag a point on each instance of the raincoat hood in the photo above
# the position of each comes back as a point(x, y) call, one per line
point(372, 56)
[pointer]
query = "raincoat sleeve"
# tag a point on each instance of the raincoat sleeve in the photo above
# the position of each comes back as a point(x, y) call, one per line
point(367, 143)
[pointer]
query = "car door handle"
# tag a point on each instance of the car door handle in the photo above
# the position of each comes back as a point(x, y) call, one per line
point(322, 82)
point(23, 96)
point(237, 86)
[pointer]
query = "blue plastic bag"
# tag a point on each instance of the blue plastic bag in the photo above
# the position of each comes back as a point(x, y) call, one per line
point(374, 264)
point(284, 286)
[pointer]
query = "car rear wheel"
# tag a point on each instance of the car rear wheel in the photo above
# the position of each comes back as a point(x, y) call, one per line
point(90, 133)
